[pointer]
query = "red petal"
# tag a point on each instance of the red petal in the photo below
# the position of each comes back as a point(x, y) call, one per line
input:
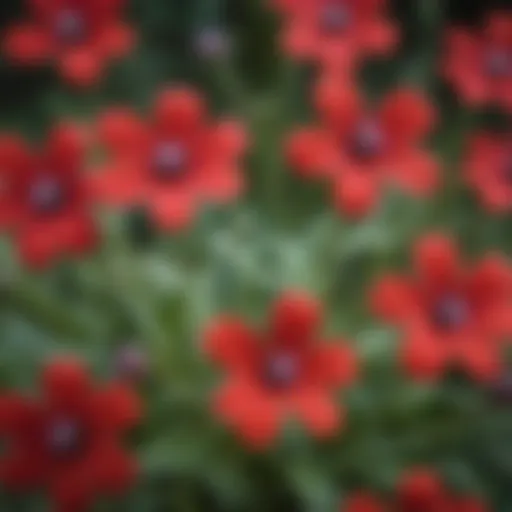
point(355, 195)
point(14, 412)
point(117, 407)
point(22, 471)
point(498, 28)
point(115, 471)
point(378, 36)
point(230, 138)
point(407, 115)
point(481, 361)
point(221, 184)
point(363, 502)
point(172, 211)
point(65, 380)
point(436, 258)
point(73, 490)
point(420, 490)
point(118, 186)
point(117, 40)
point(295, 318)
point(318, 412)
point(81, 68)
point(492, 277)
point(393, 298)
point(230, 342)
point(15, 154)
point(179, 109)
point(308, 153)
point(339, 105)
point(254, 415)
point(417, 172)
point(122, 131)
point(299, 40)
point(66, 146)
point(27, 45)
point(334, 364)
point(422, 357)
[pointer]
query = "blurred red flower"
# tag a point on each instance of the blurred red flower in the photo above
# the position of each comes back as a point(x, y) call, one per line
point(68, 441)
point(44, 200)
point(488, 170)
point(419, 490)
point(336, 33)
point(172, 164)
point(285, 369)
point(454, 314)
point(361, 149)
point(478, 64)
point(80, 36)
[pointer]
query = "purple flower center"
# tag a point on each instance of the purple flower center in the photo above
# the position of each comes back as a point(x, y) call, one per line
point(450, 312)
point(46, 195)
point(70, 26)
point(335, 18)
point(64, 437)
point(281, 370)
point(367, 141)
point(498, 63)
point(170, 160)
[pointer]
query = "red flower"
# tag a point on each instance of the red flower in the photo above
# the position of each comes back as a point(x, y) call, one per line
point(452, 313)
point(68, 441)
point(80, 36)
point(418, 491)
point(279, 371)
point(361, 149)
point(478, 64)
point(489, 170)
point(363, 502)
point(172, 164)
point(44, 199)
point(336, 32)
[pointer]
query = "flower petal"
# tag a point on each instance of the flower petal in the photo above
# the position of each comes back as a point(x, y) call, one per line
point(230, 342)
point(436, 258)
point(320, 415)
point(27, 44)
point(295, 318)
point(393, 298)
point(334, 364)
point(81, 67)
point(179, 109)
point(355, 194)
point(407, 116)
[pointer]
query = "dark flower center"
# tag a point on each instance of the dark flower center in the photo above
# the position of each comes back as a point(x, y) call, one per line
point(450, 312)
point(46, 195)
point(335, 18)
point(281, 370)
point(367, 141)
point(170, 160)
point(70, 26)
point(64, 437)
point(498, 63)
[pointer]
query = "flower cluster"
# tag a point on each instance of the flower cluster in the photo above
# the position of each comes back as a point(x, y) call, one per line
point(450, 311)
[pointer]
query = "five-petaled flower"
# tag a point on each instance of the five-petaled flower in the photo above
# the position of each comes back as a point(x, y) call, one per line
point(172, 164)
point(69, 440)
point(478, 64)
point(362, 149)
point(279, 371)
point(419, 490)
point(44, 199)
point(453, 314)
point(336, 33)
point(488, 170)
point(80, 36)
